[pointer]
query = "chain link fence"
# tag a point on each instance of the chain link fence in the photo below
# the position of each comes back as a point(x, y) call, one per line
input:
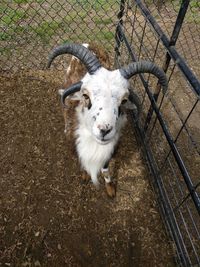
point(166, 32)
point(30, 29)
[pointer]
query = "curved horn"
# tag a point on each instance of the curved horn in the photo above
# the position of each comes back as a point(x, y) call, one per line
point(145, 67)
point(87, 57)
point(70, 90)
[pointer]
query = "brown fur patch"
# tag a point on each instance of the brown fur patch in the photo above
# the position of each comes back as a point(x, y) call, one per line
point(85, 177)
point(77, 69)
point(110, 189)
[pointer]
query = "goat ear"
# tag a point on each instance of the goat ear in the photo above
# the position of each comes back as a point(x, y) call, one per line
point(129, 105)
point(134, 103)
point(75, 96)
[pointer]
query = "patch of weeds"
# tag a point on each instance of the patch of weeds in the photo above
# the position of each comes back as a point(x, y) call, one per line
point(70, 17)
point(88, 36)
point(3, 7)
point(46, 29)
point(21, 1)
point(40, 1)
point(104, 4)
point(95, 5)
point(82, 38)
point(4, 51)
point(12, 33)
point(13, 16)
point(74, 16)
point(99, 21)
point(194, 4)
point(5, 36)
point(66, 41)
point(83, 3)
point(82, 14)
point(192, 14)
point(105, 34)
point(193, 19)
point(79, 38)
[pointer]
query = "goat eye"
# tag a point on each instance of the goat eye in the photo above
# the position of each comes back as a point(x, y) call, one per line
point(86, 96)
point(124, 101)
point(87, 101)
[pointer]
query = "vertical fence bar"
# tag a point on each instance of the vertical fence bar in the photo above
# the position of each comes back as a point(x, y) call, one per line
point(118, 37)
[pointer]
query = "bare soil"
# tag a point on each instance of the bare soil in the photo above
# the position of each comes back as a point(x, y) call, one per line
point(48, 216)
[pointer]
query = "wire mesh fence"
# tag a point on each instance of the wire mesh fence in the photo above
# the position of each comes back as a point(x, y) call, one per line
point(166, 32)
point(29, 29)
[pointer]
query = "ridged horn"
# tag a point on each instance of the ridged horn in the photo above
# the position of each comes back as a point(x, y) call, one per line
point(87, 57)
point(71, 90)
point(145, 67)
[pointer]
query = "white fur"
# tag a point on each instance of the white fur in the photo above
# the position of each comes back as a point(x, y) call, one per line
point(61, 92)
point(106, 90)
point(107, 179)
point(92, 154)
point(72, 59)
point(105, 172)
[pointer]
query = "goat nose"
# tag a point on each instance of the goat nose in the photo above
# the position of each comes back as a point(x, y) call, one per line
point(105, 131)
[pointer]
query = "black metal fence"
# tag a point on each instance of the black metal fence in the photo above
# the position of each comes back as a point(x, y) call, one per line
point(170, 125)
point(166, 32)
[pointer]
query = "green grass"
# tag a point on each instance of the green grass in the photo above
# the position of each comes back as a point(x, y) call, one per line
point(99, 21)
point(17, 22)
point(21, 1)
point(5, 51)
point(104, 35)
point(75, 16)
point(96, 35)
point(104, 4)
point(46, 29)
point(5, 36)
point(13, 16)
point(11, 22)
point(96, 5)
point(193, 14)
point(194, 4)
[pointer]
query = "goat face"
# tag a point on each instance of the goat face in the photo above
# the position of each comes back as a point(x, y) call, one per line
point(102, 96)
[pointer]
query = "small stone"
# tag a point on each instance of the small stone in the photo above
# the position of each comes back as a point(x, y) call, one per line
point(37, 263)
point(37, 234)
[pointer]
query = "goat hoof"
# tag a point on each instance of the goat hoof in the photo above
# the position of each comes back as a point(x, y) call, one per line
point(85, 177)
point(111, 189)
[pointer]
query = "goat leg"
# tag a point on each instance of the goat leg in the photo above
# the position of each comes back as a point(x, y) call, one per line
point(85, 177)
point(109, 184)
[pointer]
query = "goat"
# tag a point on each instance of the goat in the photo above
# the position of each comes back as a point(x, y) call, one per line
point(100, 97)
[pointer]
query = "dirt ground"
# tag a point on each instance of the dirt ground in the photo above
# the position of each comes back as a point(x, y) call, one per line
point(49, 217)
